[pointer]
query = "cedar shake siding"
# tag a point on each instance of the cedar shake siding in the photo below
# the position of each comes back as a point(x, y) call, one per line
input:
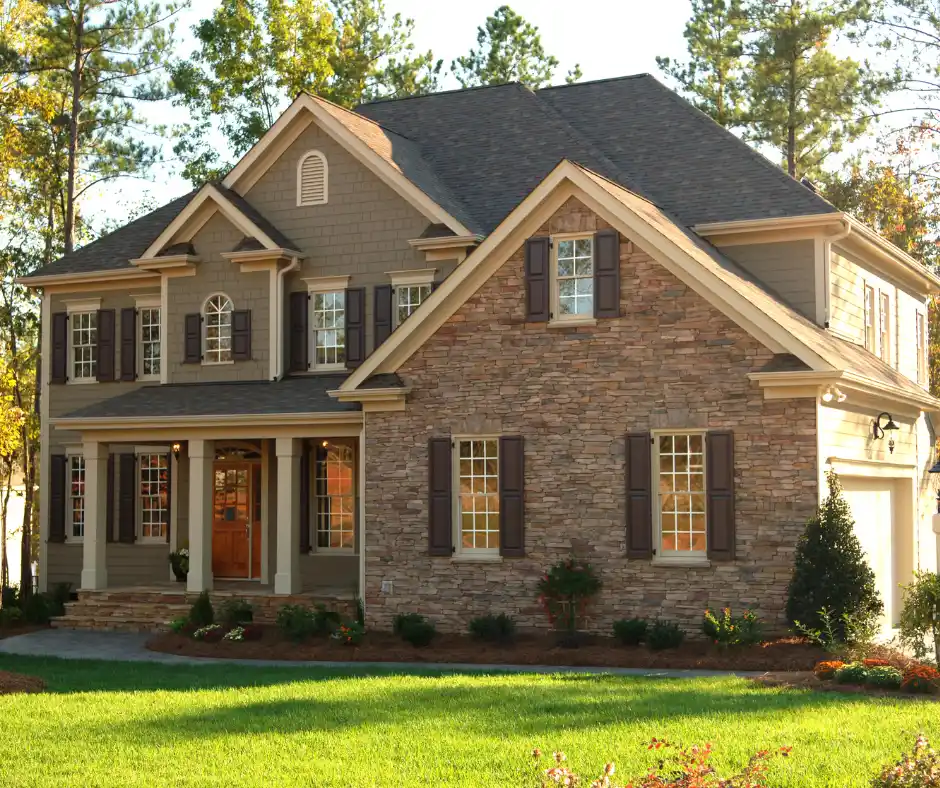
point(573, 395)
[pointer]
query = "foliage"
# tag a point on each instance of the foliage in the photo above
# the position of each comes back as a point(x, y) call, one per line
point(919, 769)
point(403, 620)
point(509, 49)
point(201, 614)
point(921, 679)
point(631, 631)
point(325, 621)
point(415, 629)
point(233, 612)
point(180, 625)
point(831, 572)
point(884, 677)
point(360, 612)
point(853, 673)
point(9, 596)
point(11, 617)
point(297, 622)
point(212, 633)
point(179, 561)
point(920, 616)
point(61, 593)
point(235, 634)
point(729, 630)
point(876, 663)
point(690, 768)
point(495, 629)
point(663, 635)
point(349, 633)
point(853, 638)
point(566, 591)
point(826, 670)
point(37, 609)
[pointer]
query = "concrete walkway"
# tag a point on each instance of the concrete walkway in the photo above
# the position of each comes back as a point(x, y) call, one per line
point(130, 647)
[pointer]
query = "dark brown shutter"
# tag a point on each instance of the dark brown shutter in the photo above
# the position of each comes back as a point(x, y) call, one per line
point(304, 498)
point(607, 273)
point(440, 505)
point(639, 488)
point(382, 314)
point(511, 496)
point(106, 338)
point(537, 279)
point(241, 335)
point(127, 498)
point(109, 504)
point(192, 343)
point(719, 484)
point(60, 348)
point(129, 344)
point(57, 488)
point(169, 494)
point(299, 360)
point(355, 326)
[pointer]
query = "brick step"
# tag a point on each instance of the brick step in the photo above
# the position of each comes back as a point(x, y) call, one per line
point(116, 625)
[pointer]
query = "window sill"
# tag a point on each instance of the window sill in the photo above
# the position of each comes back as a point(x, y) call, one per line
point(74, 540)
point(329, 368)
point(691, 562)
point(468, 558)
point(147, 379)
point(217, 363)
point(579, 323)
point(153, 542)
point(325, 552)
point(80, 381)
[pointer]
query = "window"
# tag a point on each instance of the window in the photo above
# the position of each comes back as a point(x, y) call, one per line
point(334, 486)
point(869, 311)
point(312, 179)
point(407, 299)
point(218, 337)
point(679, 459)
point(476, 465)
point(574, 278)
point(76, 496)
point(921, 350)
point(153, 472)
point(84, 345)
point(329, 329)
point(149, 319)
point(884, 328)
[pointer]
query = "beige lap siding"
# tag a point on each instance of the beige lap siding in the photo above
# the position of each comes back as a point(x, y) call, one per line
point(670, 360)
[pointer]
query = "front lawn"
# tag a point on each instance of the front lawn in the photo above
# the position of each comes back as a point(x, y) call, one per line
point(122, 724)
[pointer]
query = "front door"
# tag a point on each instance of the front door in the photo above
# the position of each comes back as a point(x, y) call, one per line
point(232, 515)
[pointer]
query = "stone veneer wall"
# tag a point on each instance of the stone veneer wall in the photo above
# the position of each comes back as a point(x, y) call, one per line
point(671, 360)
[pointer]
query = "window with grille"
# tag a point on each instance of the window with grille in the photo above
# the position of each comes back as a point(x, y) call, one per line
point(921, 350)
point(149, 319)
point(574, 278)
point(884, 328)
point(218, 330)
point(153, 473)
point(408, 298)
point(84, 329)
point(679, 461)
point(76, 496)
point(476, 463)
point(334, 488)
point(312, 179)
point(869, 318)
point(329, 329)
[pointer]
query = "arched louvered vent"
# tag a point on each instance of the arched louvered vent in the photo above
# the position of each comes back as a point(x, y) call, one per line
point(312, 179)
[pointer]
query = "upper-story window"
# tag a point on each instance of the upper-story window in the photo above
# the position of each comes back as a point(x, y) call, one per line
point(312, 179)
point(218, 329)
point(921, 349)
point(573, 281)
point(84, 345)
point(884, 327)
point(149, 342)
point(869, 318)
point(407, 299)
point(329, 329)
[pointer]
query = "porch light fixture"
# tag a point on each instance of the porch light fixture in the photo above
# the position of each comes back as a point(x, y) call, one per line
point(879, 430)
point(177, 448)
point(832, 393)
point(936, 469)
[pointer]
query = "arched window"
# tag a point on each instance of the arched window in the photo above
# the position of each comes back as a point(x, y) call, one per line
point(312, 177)
point(218, 322)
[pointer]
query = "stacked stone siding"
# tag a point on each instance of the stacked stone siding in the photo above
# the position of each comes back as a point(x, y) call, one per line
point(670, 360)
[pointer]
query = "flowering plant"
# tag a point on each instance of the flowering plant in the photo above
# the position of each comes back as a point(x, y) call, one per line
point(236, 634)
point(826, 670)
point(921, 679)
point(729, 630)
point(179, 562)
point(349, 633)
point(876, 663)
point(920, 769)
point(211, 633)
point(566, 591)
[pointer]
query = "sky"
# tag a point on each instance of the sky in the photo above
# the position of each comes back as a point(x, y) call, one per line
point(608, 38)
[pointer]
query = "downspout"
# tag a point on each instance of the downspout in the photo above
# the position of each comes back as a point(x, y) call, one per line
point(827, 264)
point(278, 361)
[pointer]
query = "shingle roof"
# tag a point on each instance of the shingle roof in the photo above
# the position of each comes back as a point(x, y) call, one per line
point(255, 216)
point(302, 394)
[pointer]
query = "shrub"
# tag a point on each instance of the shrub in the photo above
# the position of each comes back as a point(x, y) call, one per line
point(61, 593)
point(631, 631)
point(212, 633)
point(851, 640)
point(37, 609)
point(495, 629)
point(297, 622)
point(10, 617)
point(566, 591)
point(884, 677)
point(9, 596)
point(414, 629)
point(826, 671)
point(920, 769)
point(252, 632)
point(180, 625)
point(236, 634)
point(663, 635)
point(403, 620)
point(235, 612)
point(201, 613)
point(920, 615)
point(830, 571)
point(349, 633)
point(325, 621)
point(853, 673)
point(921, 679)
point(729, 630)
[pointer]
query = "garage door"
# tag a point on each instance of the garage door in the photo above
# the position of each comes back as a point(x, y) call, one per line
point(875, 507)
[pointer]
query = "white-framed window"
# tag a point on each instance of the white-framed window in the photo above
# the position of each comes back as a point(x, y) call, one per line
point(76, 497)
point(312, 179)
point(884, 327)
point(328, 319)
point(217, 331)
point(920, 329)
point(153, 498)
point(83, 327)
point(869, 318)
point(573, 277)
point(679, 466)
point(335, 497)
point(476, 504)
point(407, 299)
point(148, 348)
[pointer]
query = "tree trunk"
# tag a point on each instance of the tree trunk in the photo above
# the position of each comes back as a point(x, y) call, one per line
point(791, 103)
point(4, 509)
point(76, 75)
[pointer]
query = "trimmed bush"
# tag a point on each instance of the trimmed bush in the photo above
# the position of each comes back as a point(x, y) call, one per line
point(201, 613)
point(884, 677)
point(235, 612)
point(853, 673)
point(415, 629)
point(494, 629)
point(631, 631)
point(663, 635)
point(297, 622)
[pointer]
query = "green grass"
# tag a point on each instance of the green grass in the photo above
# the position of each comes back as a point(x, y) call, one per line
point(121, 724)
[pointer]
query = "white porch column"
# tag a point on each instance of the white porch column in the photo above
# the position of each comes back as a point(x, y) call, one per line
point(94, 557)
point(287, 576)
point(201, 454)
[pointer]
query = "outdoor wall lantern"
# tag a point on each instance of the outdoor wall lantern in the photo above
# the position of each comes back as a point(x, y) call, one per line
point(177, 448)
point(833, 394)
point(879, 430)
point(936, 469)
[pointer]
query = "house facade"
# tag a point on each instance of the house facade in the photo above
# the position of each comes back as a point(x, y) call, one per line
point(417, 353)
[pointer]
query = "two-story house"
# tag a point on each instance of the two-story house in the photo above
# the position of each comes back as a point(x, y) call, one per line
point(418, 352)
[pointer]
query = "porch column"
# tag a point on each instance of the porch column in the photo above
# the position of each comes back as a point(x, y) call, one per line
point(201, 454)
point(287, 576)
point(94, 557)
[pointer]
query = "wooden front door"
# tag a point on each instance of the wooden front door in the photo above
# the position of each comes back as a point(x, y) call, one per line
point(236, 542)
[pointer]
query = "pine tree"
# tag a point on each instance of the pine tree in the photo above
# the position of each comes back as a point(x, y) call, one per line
point(830, 568)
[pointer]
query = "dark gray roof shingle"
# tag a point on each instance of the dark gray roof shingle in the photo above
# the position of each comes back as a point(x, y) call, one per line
point(260, 221)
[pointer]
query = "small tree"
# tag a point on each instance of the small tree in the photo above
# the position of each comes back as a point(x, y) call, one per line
point(920, 616)
point(830, 569)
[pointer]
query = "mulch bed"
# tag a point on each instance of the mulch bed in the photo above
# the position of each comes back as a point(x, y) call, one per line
point(786, 654)
point(12, 683)
point(807, 680)
point(9, 632)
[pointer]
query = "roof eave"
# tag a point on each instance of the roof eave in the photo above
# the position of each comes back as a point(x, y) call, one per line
point(114, 423)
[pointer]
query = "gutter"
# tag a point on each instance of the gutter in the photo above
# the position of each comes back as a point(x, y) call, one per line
point(278, 360)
